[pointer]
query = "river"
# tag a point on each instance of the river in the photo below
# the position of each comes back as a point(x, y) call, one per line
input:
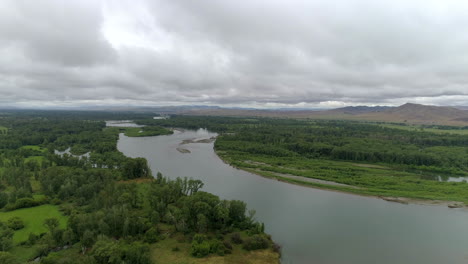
point(312, 225)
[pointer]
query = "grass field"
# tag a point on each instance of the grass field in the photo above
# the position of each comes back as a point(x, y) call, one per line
point(3, 130)
point(24, 253)
point(33, 219)
point(162, 252)
point(33, 147)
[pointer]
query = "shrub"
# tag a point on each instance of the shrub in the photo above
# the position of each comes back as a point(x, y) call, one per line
point(198, 238)
point(200, 250)
point(227, 244)
point(22, 203)
point(236, 238)
point(277, 248)
point(216, 247)
point(256, 242)
point(15, 223)
point(32, 239)
point(7, 258)
point(151, 236)
point(200, 247)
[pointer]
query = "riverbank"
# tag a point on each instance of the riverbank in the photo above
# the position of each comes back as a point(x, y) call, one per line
point(336, 187)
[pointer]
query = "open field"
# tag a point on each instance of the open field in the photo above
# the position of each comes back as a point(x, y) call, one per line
point(24, 253)
point(33, 219)
point(3, 130)
point(33, 147)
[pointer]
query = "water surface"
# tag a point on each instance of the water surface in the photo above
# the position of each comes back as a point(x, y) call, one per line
point(316, 226)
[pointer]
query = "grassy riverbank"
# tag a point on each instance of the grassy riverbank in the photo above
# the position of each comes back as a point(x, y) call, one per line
point(362, 179)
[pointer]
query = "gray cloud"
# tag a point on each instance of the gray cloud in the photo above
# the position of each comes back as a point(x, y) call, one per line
point(252, 53)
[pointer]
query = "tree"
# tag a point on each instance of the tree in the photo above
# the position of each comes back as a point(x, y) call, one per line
point(237, 211)
point(87, 240)
point(51, 223)
point(137, 253)
point(136, 168)
point(7, 258)
point(202, 223)
point(68, 237)
point(15, 223)
point(106, 251)
point(3, 199)
point(6, 238)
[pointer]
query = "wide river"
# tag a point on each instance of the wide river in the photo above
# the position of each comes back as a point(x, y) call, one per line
point(315, 226)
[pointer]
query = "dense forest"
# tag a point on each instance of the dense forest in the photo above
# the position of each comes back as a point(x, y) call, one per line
point(95, 205)
point(367, 158)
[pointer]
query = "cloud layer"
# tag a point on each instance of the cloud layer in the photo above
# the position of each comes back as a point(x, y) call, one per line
point(256, 53)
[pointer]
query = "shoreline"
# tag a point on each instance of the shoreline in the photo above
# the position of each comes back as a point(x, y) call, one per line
point(327, 187)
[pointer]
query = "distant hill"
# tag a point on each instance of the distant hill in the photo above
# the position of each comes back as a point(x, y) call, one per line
point(361, 109)
point(407, 113)
point(421, 114)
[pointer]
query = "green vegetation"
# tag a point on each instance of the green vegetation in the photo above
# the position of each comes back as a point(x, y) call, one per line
point(3, 130)
point(175, 250)
point(147, 131)
point(104, 207)
point(431, 129)
point(33, 219)
point(364, 158)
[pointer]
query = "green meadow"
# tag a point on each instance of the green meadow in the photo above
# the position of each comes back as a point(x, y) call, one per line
point(33, 219)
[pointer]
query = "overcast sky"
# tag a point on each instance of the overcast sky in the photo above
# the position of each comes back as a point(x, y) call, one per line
point(255, 53)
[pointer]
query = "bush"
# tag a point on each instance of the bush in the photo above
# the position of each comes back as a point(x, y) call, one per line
point(216, 247)
point(200, 247)
point(32, 239)
point(151, 236)
point(227, 244)
point(200, 250)
point(15, 223)
point(277, 248)
point(22, 203)
point(236, 238)
point(7, 258)
point(256, 242)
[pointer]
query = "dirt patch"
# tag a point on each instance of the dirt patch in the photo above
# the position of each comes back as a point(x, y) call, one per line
point(371, 166)
point(306, 179)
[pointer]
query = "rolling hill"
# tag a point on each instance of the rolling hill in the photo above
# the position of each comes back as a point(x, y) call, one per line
point(408, 113)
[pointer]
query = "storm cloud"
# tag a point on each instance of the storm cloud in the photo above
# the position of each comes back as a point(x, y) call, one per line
point(256, 53)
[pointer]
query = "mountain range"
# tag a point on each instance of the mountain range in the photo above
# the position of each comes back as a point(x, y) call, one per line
point(408, 113)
